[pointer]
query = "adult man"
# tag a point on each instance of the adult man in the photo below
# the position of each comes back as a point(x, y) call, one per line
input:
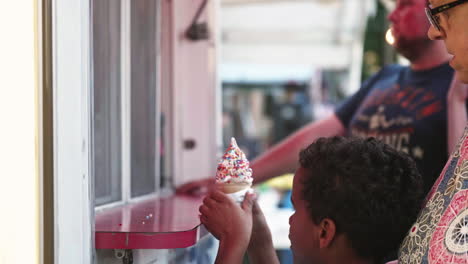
point(403, 106)
point(354, 200)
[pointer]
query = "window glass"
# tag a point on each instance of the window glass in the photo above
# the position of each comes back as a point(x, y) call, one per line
point(127, 154)
point(107, 100)
point(143, 96)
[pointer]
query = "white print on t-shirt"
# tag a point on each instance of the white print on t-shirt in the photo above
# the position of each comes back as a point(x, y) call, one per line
point(379, 120)
point(400, 141)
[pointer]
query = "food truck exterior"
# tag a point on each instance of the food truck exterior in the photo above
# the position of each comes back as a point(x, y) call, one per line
point(120, 103)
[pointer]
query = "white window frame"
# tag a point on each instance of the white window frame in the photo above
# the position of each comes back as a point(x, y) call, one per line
point(72, 109)
point(73, 186)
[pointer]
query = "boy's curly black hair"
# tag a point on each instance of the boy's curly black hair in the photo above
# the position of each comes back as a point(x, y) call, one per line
point(371, 191)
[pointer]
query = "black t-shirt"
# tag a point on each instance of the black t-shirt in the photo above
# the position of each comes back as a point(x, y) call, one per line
point(407, 110)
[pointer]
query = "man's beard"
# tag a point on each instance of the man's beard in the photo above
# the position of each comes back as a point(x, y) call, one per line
point(413, 49)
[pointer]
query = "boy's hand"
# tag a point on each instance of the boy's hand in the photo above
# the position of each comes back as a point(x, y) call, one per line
point(225, 219)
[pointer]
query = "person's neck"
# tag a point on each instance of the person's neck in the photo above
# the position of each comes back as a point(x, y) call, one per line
point(349, 259)
point(434, 56)
point(343, 253)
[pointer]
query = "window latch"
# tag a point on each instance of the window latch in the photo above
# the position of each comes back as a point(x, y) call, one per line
point(189, 144)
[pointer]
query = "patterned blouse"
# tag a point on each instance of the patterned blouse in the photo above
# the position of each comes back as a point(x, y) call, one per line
point(440, 234)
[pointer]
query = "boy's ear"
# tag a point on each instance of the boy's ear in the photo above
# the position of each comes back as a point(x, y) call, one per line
point(327, 232)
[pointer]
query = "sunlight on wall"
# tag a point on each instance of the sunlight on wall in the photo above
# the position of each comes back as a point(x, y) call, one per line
point(19, 206)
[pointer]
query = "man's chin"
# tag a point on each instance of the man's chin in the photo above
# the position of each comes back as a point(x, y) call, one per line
point(404, 48)
point(411, 49)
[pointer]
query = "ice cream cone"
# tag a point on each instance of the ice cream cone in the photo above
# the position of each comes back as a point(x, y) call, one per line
point(232, 188)
point(235, 191)
point(233, 174)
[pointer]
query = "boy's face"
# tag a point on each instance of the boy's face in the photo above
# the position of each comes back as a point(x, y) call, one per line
point(303, 232)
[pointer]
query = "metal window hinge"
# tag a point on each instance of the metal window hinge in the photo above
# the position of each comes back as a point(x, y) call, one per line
point(128, 258)
point(198, 30)
point(126, 255)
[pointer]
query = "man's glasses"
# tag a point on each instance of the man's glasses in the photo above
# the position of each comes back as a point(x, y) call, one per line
point(432, 12)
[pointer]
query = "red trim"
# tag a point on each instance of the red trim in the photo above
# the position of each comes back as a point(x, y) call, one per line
point(160, 223)
point(147, 240)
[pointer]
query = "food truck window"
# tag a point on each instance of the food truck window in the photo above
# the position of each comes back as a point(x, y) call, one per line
point(126, 108)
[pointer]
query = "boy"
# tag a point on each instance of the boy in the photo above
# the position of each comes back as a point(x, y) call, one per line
point(354, 201)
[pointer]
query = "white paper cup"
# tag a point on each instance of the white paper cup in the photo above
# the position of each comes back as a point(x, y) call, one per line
point(239, 196)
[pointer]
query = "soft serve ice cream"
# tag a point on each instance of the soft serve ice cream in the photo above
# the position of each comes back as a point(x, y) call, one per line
point(234, 173)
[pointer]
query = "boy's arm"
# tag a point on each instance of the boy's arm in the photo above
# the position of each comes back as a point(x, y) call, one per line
point(230, 223)
point(230, 252)
point(261, 248)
